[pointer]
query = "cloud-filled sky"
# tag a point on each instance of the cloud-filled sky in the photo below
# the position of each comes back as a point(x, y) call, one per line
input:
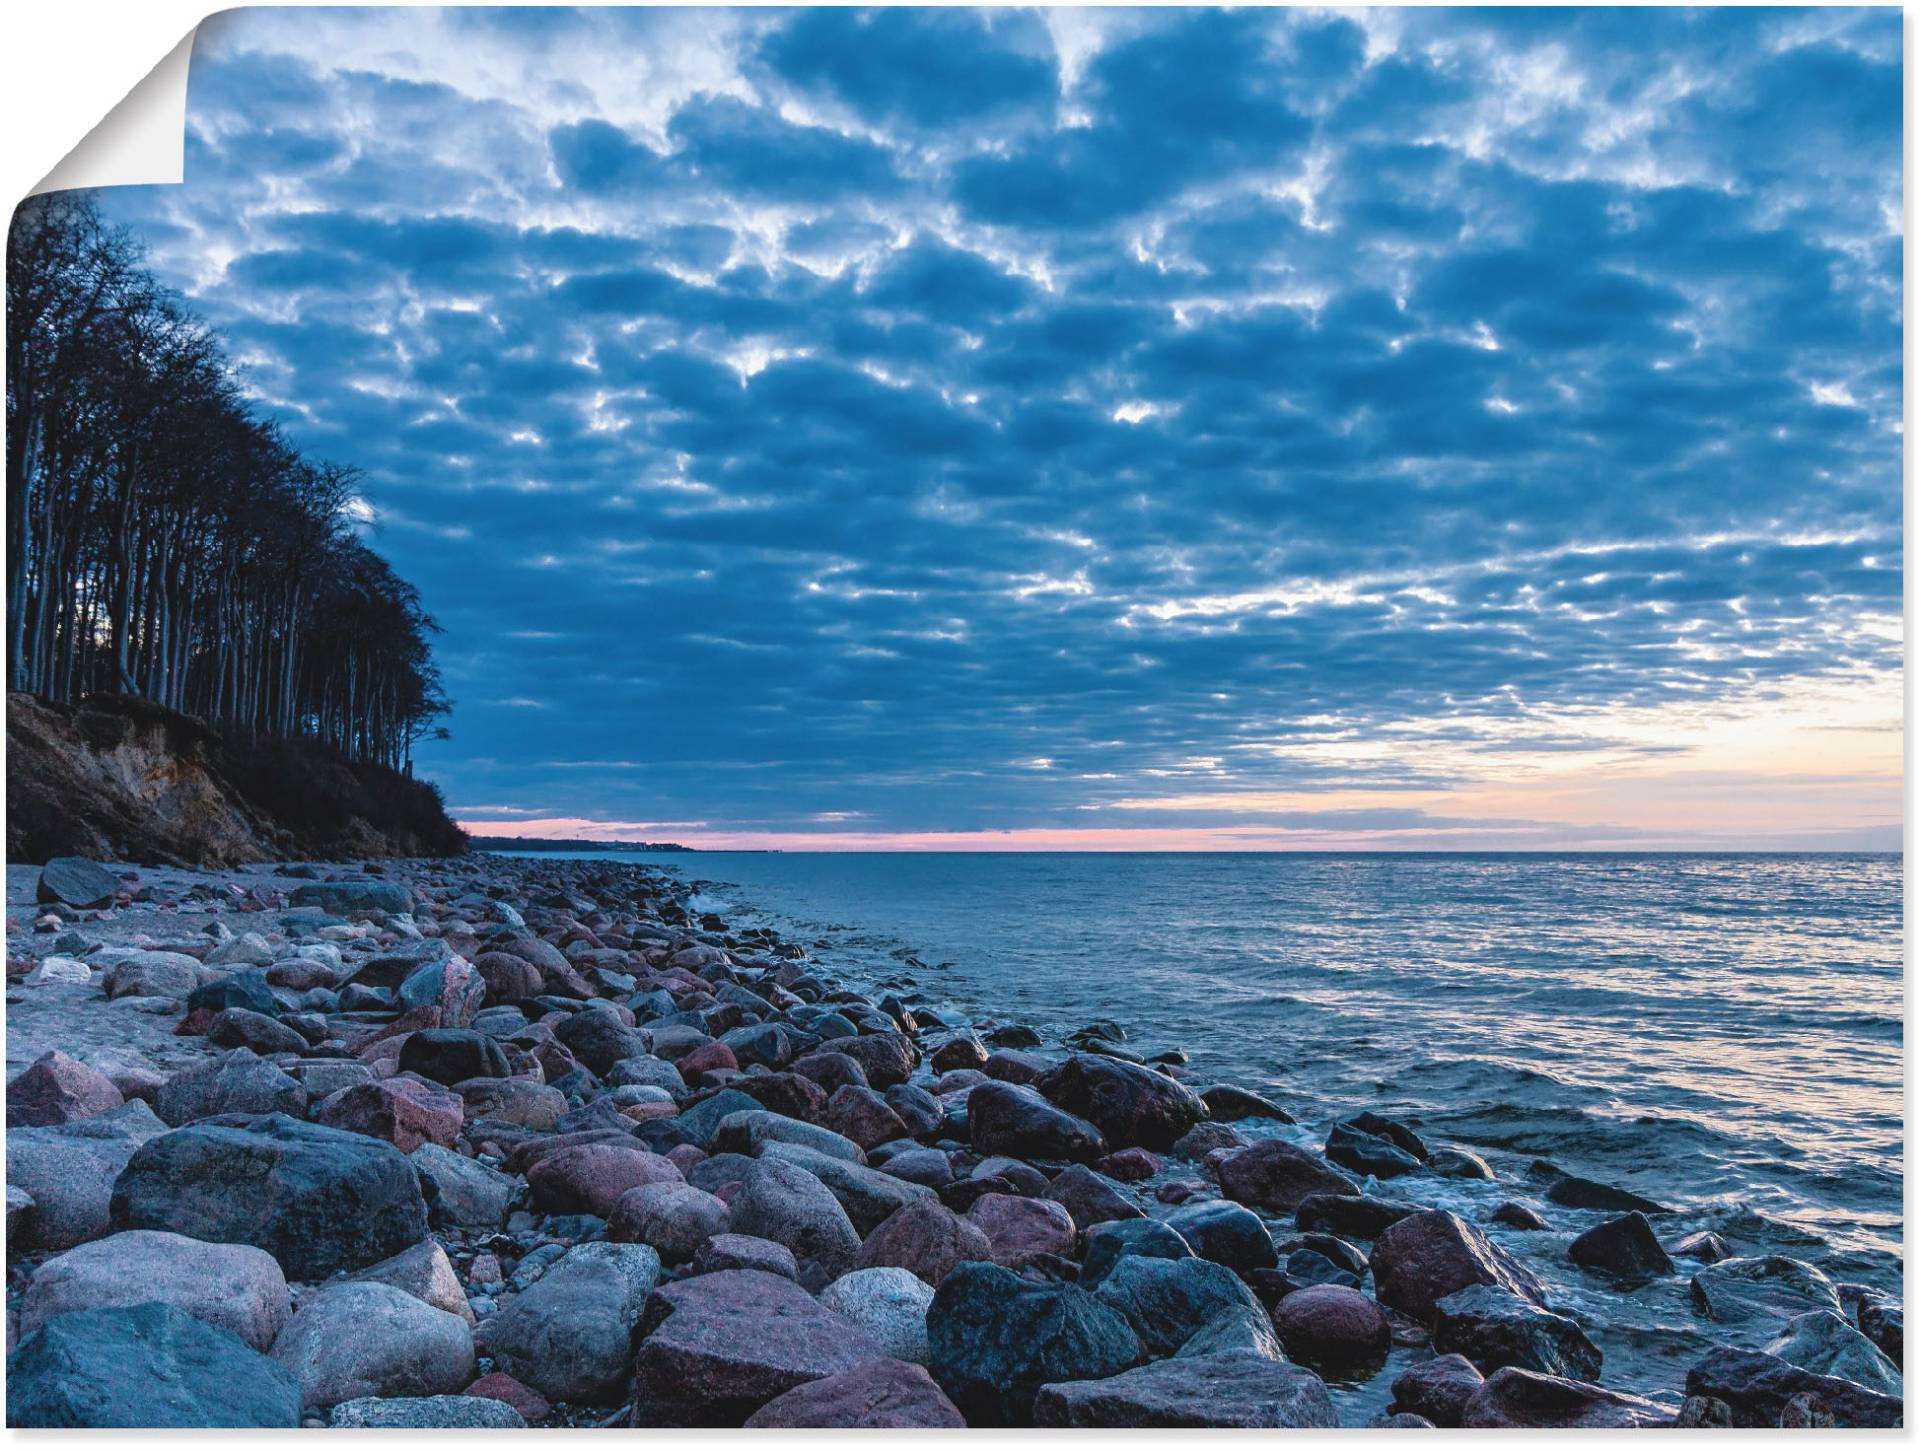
point(1103, 428)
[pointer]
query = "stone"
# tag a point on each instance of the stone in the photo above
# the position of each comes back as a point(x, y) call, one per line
point(1230, 1105)
point(354, 896)
point(920, 1111)
point(508, 978)
point(1020, 1230)
point(153, 975)
point(590, 1178)
point(68, 1171)
point(239, 1082)
point(1703, 1245)
point(1363, 1153)
point(518, 1101)
point(856, 1112)
point(1225, 1232)
point(1202, 1139)
point(746, 1252)
point(1458, 1163)
point(1623, 1249)
point(56, 1089)
point(247, 949)
point(244, 1028)
point(1758, 1388)
point(1883, 1322)
point(59, 969)
point(460, 1193)
point(531, 1406)
point(716, 1348)
point(675, 1219)
point(237, 1288)
point(1820, 1341)
point(1010, 1118)
point(1274, 1175)
point(1494, 1327)
point(1577, 1193)
point(77, 881)
point(1764, 1287)
point(1519, 1216)
point(140, 1366)
point(889, 1304)
point(599, 1039)
point(1437, 1389)
point(426, 1413)
point(1090, 1197)
point(451, 988)
point(351, 1340)
point(570, 1334)
point(870, 1196)
point(1513, 1398)
point(1350, 1215)
point(930, 1167)
point(1235, 1389)
point(782, 1202)
point(425, 1273)
point(1132, 1106)
point(1334, 1330)
point(1166, 1301)
point(994, 1339)
point(1425, 1257)
point(452, 1055)
point(406, 1112)
point(886, 1058)
point(926, 1238)
point(247, 988)
point(888, 1393)
point(317, 1199)
point(750, 1131)
point(1108, 1243)
point(1237, 1329)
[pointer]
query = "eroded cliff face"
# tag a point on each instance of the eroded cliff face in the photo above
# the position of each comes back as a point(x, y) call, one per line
point(122, 779)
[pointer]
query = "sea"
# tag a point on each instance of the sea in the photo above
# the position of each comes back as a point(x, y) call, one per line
point(1721, 1033)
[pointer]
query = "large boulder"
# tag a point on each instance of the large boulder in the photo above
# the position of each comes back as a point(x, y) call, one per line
point(1514, 1398)
point(78, 882)
point(361, 1339)
point(1763, 1288)
point(677, 1220)
point(451, 987)
point(752, 1130)
point(1820, 1341)
point(1107, 1244)
point(406, 1112)
point(425, 1273)
point(1438, 1389)
point(1130, 1104)
point(886, 1058)
point(570, 1333)
point(1225, 1232)
point(68, 1173)
point(889, 1304)
point(1422, 1259)
point(1494, 1327)
point(780, 1201)
point(460, 1193)
point(453, 1055)
point(599, 1039)
point(1350, 1215)
point(235, 1287)
point(881, 1394)
point(1167, 1301)
point(1335, 1330)
point(236, 1082)
point(926, 1238)
point(1010, 1118)
point(1090, 1197)
point(319, 1200)
point(590, 1178)
point(869, 1196)
point(994, 1339)
point(145, 1365)
point(717, 1347)
point(1368, 1154)
point(1022, 1230)
point(1274, 1175)
point(56, 1089)
point(1233, 1389)
point(1757, 1387)
point(1623, 1249)
point(518, 1101)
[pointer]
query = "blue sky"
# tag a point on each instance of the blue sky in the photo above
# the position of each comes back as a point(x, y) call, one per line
point(1106, 428)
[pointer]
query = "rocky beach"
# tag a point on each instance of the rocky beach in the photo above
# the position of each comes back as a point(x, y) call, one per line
point(505, 1142)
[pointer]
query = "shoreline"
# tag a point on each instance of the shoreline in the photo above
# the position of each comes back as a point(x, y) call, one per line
point(867, 1123)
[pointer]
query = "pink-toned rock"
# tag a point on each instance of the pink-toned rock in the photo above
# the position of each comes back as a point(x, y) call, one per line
point(889, 1394)
point(404, 1111)
point(831, 1070)
point(1274, 1175)
point(1333, 1330)
point(790, 1094)
point(1129, 1166)
point(860, 1114)
point(1423, 1258)
point(590, 1178)
point(509, 979)
point(500, 1386)
point(926, 1237)
point(684, 1156)
point(676, 1219)
point(56, 1089)
point(1019, 1230)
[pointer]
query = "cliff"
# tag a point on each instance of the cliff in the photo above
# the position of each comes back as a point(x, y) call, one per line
point(123, 779)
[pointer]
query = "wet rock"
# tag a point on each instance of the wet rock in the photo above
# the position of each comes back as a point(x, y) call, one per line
point(1333, 1329)
point(832, 1071)
point(745, 1252)
point(994, 1339)
point(857, 1113)
point(1167, 1301)
point(317, 1199)
point(963, 1050)
point(1758, 1388)
point(146, 1365)
point(1274, 1175)
point(1364, 1153)
point(460, 1193)
point(237, 1082)
point(1623, 1248)
point(352, 1340)
point(1229, 1104)
point(1229, 1233)
point(889, 1304)
point(1090, 1198)
point(1425, 1257)
point(886, 1393)
point(751, 1131)
point(1456, 1163)
point(782, 1202)
point(1202, 1139)
point(1577, 1193)
point(426, 1413)
point(1024, 1178)
point(570, 1334)
point(1237, 1329)
point(1310, 1267)
point(1019, 1230)
point(919, 1110)
point(1494, 1327)
point(1130, 1105)
point(235, 1287)
point(1519, 1216)
point(1525, 1398)
point(1437, 1389)
point(717, 1347)
point(676, 1219)
point(78, 882)
point(1233, 1389)
point(1009, 1118)
point(1820, 1341)
point(930, 1167)
point(1107, 1244)
point(425, 1273)
point(869, 1196)
point(57, 1089)
point(1765, 1287)
point(886, 1058)
point(1352, 1216)
point(590, 1178)
point(68, 1172)
point(1703, 1245)
point(1884, 1323)
point(453, 1055)
point(404, 1111)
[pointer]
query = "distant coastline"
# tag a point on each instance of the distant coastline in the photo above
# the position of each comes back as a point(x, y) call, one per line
point(557, 843)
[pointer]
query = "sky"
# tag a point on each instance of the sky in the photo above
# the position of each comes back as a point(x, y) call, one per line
point(1424, 429)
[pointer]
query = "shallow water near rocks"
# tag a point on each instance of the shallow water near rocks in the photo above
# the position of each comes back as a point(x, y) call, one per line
point(1723, 1034)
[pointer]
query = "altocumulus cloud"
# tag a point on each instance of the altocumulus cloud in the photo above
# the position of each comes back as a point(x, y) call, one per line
point(1378, 429)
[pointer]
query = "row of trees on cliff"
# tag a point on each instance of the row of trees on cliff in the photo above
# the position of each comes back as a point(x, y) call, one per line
point(164, 538)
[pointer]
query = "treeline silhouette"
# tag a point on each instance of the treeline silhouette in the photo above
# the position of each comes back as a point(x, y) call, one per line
point(164, 539)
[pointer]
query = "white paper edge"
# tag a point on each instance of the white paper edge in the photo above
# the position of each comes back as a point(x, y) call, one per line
point(142, 141)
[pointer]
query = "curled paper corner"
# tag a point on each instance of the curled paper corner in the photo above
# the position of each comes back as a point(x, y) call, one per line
point(142, 141)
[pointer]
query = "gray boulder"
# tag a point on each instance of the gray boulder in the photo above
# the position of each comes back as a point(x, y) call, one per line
point(1235, 1389)
point(237, 1082)
point(68, 1172)
point(235, 1287)
point(782, 1202)
point(426, 1413)
point(890, 1304)
point(569, 1335)
point(358, 1339)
